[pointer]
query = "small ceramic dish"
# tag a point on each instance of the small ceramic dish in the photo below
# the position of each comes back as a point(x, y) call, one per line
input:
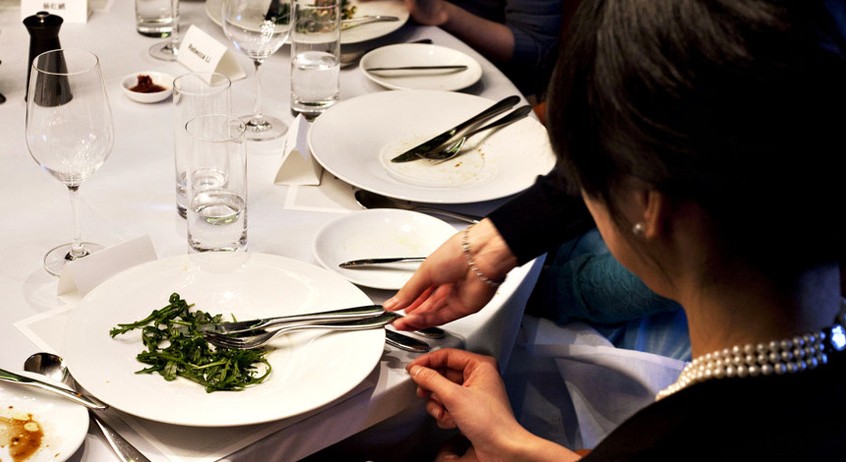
point(132, 82)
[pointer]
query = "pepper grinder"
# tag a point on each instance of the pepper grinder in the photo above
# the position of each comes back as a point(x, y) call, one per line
point(43, 29)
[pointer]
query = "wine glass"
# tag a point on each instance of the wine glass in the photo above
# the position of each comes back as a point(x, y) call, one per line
point(169, 49)
point(69, 131)
point(258, 28)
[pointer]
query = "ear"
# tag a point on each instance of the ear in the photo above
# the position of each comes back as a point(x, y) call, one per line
point(653, 208)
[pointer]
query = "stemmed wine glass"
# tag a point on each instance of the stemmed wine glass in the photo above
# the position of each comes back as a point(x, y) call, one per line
point(69, 131)
point(258, 28)
point(169, 49)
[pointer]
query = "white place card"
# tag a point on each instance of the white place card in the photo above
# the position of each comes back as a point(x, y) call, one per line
point(80, 276)
point(71, 11)
point(298, 165)
point(200, 52)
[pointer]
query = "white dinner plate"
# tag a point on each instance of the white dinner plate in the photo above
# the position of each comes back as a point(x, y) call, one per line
point(310, 368)
point(420, 54)
point(62, 423)
point(379, 233)
point(363, 33)
point(356, 138)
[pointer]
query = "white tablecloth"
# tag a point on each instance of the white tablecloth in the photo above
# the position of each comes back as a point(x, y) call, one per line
point(132, 196)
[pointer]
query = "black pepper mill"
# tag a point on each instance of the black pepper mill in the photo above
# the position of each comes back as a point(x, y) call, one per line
point(43, 29)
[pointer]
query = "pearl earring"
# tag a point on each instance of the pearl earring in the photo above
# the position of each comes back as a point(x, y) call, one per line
point(639, 229)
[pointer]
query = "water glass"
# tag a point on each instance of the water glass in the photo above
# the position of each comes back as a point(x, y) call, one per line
point(194, 94)
point(315, 52)
point(217, 183)
point(154, 18)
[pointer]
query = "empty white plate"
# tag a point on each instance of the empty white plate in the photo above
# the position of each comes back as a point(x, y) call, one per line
point(420, 54)
point(378, 233)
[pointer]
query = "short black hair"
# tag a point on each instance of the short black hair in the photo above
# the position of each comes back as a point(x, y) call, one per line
point(733, 104)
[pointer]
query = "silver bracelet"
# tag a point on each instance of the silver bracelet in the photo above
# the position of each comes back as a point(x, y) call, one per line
point(465, 247)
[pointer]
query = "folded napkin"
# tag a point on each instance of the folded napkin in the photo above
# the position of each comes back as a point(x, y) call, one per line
point(80, 276)
point(298, 166)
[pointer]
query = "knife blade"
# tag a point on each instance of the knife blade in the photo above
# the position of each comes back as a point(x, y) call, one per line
point(454, 132)
point(457, 67)
point(405, 342)
point(378, 261)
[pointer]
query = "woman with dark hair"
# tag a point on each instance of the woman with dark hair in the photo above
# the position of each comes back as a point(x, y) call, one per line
point(704, 139)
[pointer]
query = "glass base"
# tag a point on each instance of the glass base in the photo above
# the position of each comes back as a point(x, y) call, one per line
point(264, 129)
point(166, 51)
point(56, 258)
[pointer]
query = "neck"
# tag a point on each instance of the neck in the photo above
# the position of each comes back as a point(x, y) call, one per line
point(749, 309)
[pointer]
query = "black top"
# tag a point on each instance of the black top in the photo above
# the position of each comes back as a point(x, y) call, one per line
point(791, 417)
point(541, 217)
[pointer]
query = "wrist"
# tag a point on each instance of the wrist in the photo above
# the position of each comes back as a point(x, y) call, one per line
point(487, 253)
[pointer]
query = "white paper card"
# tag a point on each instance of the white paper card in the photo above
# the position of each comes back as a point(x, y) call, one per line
point(200, 52)
point(71, 11)
point(298, 165)
point(80, 276)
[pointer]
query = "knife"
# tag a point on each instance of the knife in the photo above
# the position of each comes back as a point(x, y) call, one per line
point(404, 342)
point(458, 67)
point(86, 401)
point(378, 261)
point(455, 132)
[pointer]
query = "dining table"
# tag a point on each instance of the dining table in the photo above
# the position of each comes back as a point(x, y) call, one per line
point(131, 197)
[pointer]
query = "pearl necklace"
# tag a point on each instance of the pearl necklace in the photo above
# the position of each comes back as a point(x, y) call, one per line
point(776, 357)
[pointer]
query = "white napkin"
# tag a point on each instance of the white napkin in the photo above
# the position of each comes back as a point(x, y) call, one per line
point(80, 276)
point(298, 166)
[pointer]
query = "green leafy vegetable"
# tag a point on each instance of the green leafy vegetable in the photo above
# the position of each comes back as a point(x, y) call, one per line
point(175, 347)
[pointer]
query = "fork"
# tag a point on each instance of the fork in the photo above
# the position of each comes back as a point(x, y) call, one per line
point(259, 340)
point(451, 148)
point(344, 314)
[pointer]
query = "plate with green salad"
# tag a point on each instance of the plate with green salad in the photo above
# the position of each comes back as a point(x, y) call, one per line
point(118, 344)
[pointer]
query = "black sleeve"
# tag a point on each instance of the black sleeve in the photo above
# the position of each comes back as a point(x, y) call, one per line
point(541, 217)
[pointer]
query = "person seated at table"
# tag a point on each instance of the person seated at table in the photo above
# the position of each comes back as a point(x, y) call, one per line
point(518, 36)
point(703, 137)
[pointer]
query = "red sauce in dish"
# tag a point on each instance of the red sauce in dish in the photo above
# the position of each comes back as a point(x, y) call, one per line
point(145, 85)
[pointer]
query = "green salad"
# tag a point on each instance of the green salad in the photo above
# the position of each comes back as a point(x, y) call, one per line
point(175, 347)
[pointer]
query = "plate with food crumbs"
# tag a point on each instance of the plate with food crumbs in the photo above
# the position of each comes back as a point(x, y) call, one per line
point(147, 86)
point(350, 9)
point(356, 139)
point(308, 369)
point(39, 426)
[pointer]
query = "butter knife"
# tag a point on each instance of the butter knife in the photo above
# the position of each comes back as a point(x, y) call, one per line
point(378, 261)
point(89, 402)
point(404, 342)
point(457, 131)
point(457, 67)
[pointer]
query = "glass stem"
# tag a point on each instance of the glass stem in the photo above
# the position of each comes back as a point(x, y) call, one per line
point(76, 250)
point(174, 36)
point(258, 117)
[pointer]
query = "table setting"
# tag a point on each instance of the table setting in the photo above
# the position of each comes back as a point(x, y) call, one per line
point(324, 387)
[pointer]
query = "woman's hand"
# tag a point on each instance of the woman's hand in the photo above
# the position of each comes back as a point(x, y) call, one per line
point(445, 288)
point(464, 390)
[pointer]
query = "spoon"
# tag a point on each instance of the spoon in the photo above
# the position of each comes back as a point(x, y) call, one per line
point(452, 149)
point(52, 366)
point(371, 200)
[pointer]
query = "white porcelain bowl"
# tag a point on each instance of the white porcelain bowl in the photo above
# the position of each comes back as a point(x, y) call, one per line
point(159, 78)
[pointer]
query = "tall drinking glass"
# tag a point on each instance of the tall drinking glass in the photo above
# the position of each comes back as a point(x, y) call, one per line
point(315, 56)
point(68, 131)
point(169, 49)
point(217, 183)
point(258, 28)
point(194, 94)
